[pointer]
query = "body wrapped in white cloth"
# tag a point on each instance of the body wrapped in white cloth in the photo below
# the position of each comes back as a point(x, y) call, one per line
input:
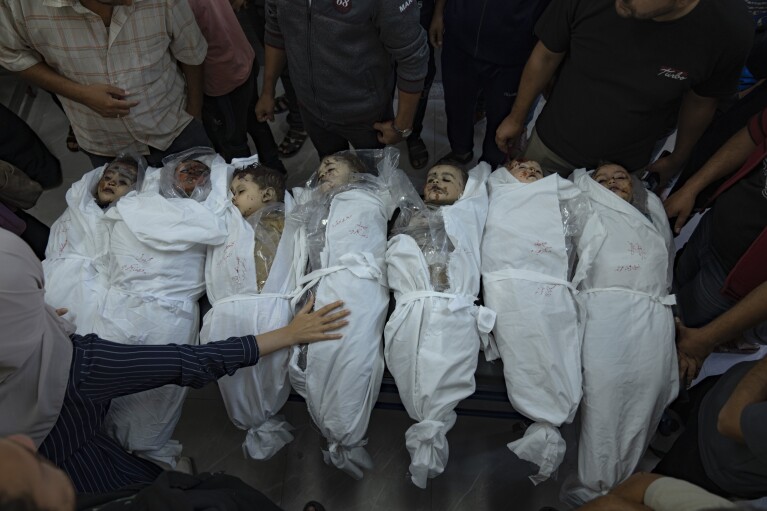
point(156, 275)
point(528, 254)
point(340, 243)
point(629, 357)
point(247, 297)
point(432, 338)
point(76, 258)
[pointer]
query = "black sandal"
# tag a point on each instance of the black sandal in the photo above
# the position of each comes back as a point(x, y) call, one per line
point(417, 152)
point(281, 104)
point(292, 143)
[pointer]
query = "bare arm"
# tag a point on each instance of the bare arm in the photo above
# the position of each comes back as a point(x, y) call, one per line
point(695, 115)
point(724, 162)
point(751, 389)
point(698, 343)
point(193, 75)
point(437, 27)
point(104, 99)
point(274, 63)
point(538, 72)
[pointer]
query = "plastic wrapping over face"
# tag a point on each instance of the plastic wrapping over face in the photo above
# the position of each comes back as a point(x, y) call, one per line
point(268, 224)
point(124, 174)
point(336, 175)
point(186, 175)
point(427, 228)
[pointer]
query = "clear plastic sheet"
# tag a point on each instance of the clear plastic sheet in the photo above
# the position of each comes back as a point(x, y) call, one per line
point(268, 224)
point(426, 225)
point(575, 214)
point(378, 175)
point(171, 185)
point(120, 164)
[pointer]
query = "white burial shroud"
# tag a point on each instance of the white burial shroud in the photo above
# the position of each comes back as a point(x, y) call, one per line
point(253, 396)
point(629, 357)
point(156, 276)
point(76, 258)
point(539, 328)
point(432, 339)
point(342, 378)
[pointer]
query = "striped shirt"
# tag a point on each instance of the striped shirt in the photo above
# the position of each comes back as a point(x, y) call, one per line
point(137, 52)
point(103, 370)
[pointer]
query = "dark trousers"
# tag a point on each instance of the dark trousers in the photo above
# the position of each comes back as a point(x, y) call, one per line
point(258, 21)
point(101, 371)
point(329, 138)
point(226, 119)
point(464, 77)
point(427, 11)
point(193, 135)
point(683, 460)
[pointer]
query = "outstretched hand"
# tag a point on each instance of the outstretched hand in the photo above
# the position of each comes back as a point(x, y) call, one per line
point(320, 325)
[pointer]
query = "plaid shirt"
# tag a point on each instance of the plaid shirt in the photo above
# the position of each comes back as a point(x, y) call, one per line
point(138, 53)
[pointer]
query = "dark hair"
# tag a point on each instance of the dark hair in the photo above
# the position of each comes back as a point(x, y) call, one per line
point(265, 177)
point(451, 162)
point(350, 159)
point(23, 502)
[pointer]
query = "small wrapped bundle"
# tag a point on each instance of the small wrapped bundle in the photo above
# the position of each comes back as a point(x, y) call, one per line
point(248, 280)
point(433, 336)
point(156, 276)
point(528, 259)
point(630, 372)
point(340, 245)
point(76, 257)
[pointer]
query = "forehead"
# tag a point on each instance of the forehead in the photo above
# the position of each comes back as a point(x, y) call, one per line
point(192, 167)
point(610, 170)
point(530, 165)
point(445, 169)
point(124, 169)
point(246, 180)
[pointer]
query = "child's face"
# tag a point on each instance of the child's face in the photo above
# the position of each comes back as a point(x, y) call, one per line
point(616, 179)
point(247, 195)
point(333, 172)
point(525, 172)
point(191, 173)
point(444, 185)
point(116, 181)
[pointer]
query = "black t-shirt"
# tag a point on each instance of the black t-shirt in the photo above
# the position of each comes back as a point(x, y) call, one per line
point(622, 80)
point(739, 215)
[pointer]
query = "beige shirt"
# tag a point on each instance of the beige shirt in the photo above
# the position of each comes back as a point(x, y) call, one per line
point(138, 53)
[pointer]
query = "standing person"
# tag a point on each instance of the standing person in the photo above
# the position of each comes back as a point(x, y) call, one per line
point(341, 55)
point(228, 77)
point(128, 74)
point(628, 71)
point(416, 148)
point(484, 48)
